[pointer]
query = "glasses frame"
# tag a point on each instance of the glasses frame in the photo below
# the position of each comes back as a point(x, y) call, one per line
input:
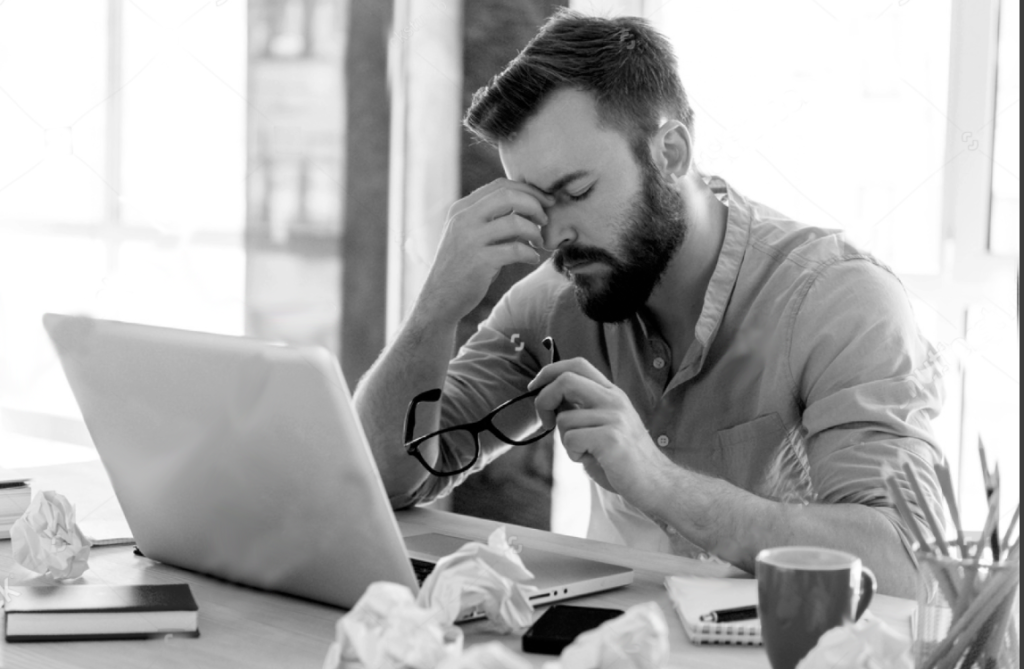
point(485, 424)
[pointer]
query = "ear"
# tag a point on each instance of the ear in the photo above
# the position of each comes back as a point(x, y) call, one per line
point(672, 149)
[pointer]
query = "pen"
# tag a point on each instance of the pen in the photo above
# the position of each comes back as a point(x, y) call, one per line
point(730, 615)
point(991, 484)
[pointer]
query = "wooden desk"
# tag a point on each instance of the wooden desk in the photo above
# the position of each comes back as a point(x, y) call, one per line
point(242, 626)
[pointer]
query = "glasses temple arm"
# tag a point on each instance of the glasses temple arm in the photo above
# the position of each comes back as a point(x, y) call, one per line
point(549, 344)
point(410, 415)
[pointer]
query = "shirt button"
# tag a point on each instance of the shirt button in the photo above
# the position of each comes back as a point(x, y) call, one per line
point(704, 557)
point(659, 363)
point(663, 441)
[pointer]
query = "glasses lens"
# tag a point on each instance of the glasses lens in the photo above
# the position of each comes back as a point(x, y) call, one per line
point(460, 442)
point(519, 421)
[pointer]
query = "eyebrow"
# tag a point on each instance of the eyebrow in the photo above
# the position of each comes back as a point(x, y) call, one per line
point(563, 181)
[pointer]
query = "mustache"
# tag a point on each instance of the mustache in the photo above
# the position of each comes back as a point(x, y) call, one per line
point(572, 254)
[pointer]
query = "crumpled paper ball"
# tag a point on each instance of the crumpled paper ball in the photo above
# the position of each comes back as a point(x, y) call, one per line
point(47, 540)
point(386, 629)
point(867, 644)
point(491, 576)
point(491, 655)
point(638, 639)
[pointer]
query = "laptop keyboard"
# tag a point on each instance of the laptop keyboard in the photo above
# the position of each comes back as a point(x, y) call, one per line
point(422, 569)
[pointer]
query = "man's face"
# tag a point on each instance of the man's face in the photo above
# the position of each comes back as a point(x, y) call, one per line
point(616, 223)
point(649, 234)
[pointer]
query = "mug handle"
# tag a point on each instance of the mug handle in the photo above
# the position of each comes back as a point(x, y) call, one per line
point(867, 591)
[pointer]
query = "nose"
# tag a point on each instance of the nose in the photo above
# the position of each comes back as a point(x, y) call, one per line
point(558, 231)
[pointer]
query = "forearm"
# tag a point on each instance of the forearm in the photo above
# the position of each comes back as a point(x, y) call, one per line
point(736, 525)
point(496, 225)
point(416, 361)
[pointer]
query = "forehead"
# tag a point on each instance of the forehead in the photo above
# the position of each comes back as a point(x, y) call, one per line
point(565, 135)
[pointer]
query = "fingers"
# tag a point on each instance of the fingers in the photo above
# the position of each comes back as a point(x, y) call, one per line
point(578, 366)
point(596, 472)
point(502, 185)
point(512, 227)
point(570, 390)
point(578, 419)
point(510, 214)
point(500, 212)
point(578, 444)
point(506, 201)
point(491, 228)
point(511, 252)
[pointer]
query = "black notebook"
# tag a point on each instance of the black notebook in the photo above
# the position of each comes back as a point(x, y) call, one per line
point(81, 612)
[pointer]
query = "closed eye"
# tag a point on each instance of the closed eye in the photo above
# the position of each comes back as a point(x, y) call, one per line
point(580, 196)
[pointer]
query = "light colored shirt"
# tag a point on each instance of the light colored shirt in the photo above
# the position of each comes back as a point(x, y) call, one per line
point(807, 381)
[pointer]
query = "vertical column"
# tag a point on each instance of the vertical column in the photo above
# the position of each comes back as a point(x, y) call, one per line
point(114, 106)
point(426, 77)
point(296, 169)
point(367, 150)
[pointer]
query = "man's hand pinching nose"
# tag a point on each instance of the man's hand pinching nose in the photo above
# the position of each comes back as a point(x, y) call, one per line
point(496, 225)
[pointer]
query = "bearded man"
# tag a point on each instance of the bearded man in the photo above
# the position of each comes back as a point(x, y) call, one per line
point(731, 380)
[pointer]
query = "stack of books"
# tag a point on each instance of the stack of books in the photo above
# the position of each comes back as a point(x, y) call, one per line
point(14, 498)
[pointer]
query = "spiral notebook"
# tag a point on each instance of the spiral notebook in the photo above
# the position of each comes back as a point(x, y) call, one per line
point(693, 596)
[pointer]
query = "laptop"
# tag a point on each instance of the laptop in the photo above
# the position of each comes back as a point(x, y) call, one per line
point(246, 460)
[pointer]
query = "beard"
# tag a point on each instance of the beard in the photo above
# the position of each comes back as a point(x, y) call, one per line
point(653, 228)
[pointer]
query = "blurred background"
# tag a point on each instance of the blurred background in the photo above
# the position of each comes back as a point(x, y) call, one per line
point(282, 169)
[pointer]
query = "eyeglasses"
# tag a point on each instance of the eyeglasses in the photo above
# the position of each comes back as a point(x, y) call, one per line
point(501, 422)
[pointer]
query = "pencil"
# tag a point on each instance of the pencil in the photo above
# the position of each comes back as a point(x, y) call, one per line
point(1012, 526)
point(995, 525)
point(990, 524)
point(978, 613)
point(922, 501)
point(946, 484)
point(904, 509)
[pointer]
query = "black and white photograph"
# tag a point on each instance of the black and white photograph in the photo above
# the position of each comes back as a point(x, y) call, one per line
point(498, 334)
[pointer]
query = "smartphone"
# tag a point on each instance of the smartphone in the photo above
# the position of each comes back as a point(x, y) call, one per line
point(560, 625)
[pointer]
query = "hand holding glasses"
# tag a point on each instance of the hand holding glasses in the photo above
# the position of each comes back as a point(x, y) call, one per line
point(498, 422)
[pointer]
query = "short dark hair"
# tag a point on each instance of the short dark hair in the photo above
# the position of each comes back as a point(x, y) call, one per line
point(626, 64)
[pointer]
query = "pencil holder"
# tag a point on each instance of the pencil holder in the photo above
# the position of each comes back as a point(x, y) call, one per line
point(968, 614)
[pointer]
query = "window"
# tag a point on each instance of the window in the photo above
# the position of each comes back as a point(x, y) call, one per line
point(989, 350)
point(122, 179)
point(1005, 222)
point(829, 112)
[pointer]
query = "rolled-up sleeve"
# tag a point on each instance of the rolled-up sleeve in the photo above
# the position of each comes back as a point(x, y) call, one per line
point(870, 384)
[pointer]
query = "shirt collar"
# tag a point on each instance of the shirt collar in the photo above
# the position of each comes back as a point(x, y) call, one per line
point(723, 279)
point(727, 269)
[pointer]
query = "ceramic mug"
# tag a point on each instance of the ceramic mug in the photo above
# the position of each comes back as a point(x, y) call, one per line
point(803, 592)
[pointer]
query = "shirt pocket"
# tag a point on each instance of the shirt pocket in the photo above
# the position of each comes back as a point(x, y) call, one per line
point(747, 451)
